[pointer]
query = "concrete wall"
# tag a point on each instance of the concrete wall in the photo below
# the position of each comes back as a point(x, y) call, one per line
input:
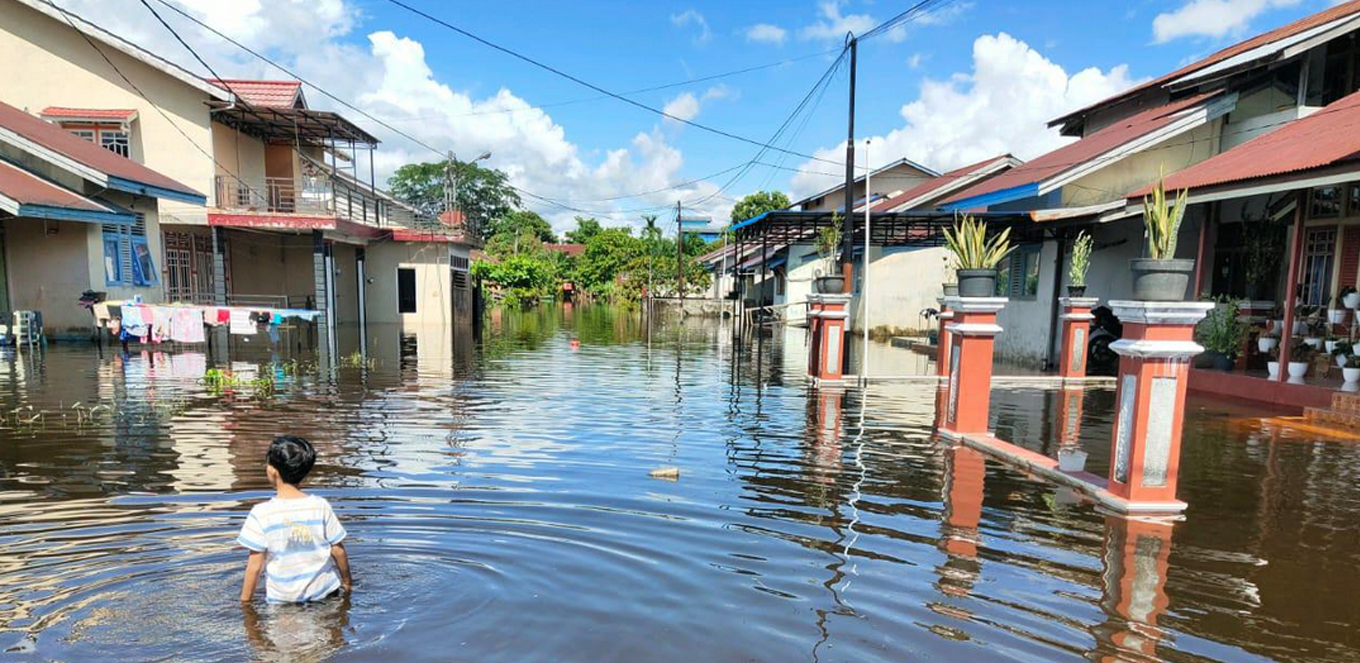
point(434, 304)
point(270, 264)
point(238, 155)
point(36, 51)
point(901, 285)
point(47, 265)
point(346, 285)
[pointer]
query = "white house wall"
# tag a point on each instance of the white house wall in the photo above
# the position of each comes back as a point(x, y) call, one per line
point(901, 285)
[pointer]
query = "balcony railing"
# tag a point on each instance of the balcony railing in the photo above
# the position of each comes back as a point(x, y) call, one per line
point(321, 195)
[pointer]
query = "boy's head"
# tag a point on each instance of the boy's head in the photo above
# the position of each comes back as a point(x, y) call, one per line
point(290, 458)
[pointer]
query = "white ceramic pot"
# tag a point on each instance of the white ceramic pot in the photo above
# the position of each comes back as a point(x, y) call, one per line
point(1297, 369)
point(1267, 343)
point(1277, 327)
point(1350, 375)
point(1074, 460)
point(1336, 316)
point(1315, 341)
point(1300, 328)
point(1330, 345)
point(1341, 361)
point(1351, 301)
point(1273, 370)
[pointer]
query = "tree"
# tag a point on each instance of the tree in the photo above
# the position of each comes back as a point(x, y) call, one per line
point(759, 203)
point(607, 254)
point(586, 228)
point(522, 224)
point(484, 194)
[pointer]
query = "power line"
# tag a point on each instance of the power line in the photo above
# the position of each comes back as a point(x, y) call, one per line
point(916, 11)
point(597, 88)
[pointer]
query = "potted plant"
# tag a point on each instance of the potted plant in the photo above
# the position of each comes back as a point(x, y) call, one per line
point(1349, 297)
point(951, 284)
point(1350, 372)
point(1161, 277)
point(976, 255)
point(828, 247)
point(1221, 333)
point(1341, 351)
point(1072, 459)
point(1336, 314)
point(1081, 261)
point(1267, 341)
point(1299, 359)
point(1273, 365)
point(1329, 342)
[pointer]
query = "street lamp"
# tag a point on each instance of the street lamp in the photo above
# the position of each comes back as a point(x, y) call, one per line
point(451, 174)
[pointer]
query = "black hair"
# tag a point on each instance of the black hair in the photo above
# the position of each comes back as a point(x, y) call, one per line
point(293, 457)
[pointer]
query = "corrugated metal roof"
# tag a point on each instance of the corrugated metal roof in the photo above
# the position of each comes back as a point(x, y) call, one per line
point(62, 112)
point(1306, 23)
point(1085, 150)
point(925, 189)
point(269, 94)
point(568, 249)
point(26, 188)
point(1327, 136)
point(58, 140)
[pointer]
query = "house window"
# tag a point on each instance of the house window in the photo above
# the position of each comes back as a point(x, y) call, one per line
point(115, 141)
point(1319, 246)
point(1325, 202)
point(127, 256)
point(86, 134)
point(406, 290)
point(1019, 274)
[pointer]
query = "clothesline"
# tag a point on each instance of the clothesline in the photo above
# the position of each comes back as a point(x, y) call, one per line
point(185, 323)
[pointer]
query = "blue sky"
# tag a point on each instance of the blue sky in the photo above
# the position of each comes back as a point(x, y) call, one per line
point(977, 78)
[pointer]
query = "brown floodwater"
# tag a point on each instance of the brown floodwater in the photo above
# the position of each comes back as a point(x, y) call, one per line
point(500, 508)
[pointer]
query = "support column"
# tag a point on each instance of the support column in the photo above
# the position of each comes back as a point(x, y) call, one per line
point(322, 282)
point(361, 277)
point(814, 323)
point(965, 472)
point(973, 332)
point(219, 337)
point(1291, 289)
point(1154, 361)
point(828, 347)
point(944, 342)
point(1076, 327)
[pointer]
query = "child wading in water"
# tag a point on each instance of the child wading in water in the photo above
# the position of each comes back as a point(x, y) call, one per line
point(294, 536)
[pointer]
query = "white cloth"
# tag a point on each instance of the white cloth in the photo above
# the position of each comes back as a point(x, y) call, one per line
point(241, 324)
point(297, 536)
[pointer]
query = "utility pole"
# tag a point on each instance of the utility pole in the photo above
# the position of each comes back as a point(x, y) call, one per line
point(847, 222)
point(451, 189)
point(680, 251)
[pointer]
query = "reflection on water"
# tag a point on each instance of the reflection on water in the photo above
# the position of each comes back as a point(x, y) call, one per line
point(499, 508)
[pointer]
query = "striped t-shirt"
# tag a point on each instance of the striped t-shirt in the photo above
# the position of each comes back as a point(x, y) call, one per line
point(297, 535)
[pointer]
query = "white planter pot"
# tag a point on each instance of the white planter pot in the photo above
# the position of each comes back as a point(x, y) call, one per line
point(1330, 345)
point(1266, 344)
point(1273, 370)
point(1074, 460)
point(1315, 341)
point(1351, 301)
point(1336, 316)
point(1350, 375)
point(1341, 361)
point(1277, 327)
point(1300, 328)
point(1297, 369)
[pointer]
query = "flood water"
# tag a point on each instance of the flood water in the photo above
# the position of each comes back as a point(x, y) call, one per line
point(500, 508)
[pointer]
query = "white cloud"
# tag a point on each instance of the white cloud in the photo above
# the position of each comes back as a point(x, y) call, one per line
point(693, 17)
point(1002, 106)
point(388, 76)
point(766, 33)
point(834, 25)
point(686, 105)
point(915, 60)
point(1211, 18)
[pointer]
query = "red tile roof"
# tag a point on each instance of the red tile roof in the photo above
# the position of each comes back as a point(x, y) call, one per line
point(1082, 151)
point(26, 188)
point(269, 94)
point(1306, 23)
point(1326, 137)
point(937, 183)
point(67, 144)
point(569, 249)
point(121, 114)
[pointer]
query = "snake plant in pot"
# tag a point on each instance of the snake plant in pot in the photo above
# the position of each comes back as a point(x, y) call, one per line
point(976, 255)
point(1081, 262)
point(1161, 277)
point(828, 245)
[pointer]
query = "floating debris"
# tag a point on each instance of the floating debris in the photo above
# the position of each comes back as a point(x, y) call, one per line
point(672, 473)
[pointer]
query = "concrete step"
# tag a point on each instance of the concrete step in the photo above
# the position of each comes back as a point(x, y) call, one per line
point(1332, 418)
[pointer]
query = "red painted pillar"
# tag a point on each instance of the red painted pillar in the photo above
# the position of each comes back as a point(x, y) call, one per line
point(828, 313)
point(1291, 289)
point(964, 476)
point(944, 342)
point(1154, 364)
point(1071, 403)
point(1076, 321)
point(973, 331)
point(827, 419)
point(1133, 587)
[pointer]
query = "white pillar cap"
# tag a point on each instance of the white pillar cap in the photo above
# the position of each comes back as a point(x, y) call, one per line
point(976, 304)
point(1160, 313)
